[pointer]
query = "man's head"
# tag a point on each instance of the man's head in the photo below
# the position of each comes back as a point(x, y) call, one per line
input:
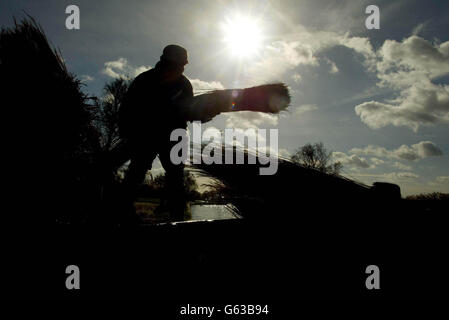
point(175, 54)
point(173, 60)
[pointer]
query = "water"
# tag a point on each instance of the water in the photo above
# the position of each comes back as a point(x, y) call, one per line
point(211, 212)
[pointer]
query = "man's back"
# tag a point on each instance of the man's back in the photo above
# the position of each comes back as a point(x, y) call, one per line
point(152, 105)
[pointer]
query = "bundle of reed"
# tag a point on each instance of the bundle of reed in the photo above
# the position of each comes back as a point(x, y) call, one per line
point(269, 98)
point(293, 192)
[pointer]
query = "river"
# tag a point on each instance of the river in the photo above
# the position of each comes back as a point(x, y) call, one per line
point(211, 212)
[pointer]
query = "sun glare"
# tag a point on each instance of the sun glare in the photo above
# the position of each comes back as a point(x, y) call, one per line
point(242, 36)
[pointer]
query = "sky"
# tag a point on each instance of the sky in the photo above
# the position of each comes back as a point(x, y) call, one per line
point(377, 98)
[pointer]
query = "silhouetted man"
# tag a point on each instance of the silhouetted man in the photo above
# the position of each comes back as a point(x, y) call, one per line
point(154, 106)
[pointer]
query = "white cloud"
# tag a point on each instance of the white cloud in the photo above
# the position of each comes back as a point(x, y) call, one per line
point(401, 166)
point(421, 104)
point(279, 57)
point(213, 132)
point(156, 168)
point(442, 179)
point(377, 161)
point(402, 63)
point(200, 86)
point(87, 78)
point(420, 27)
point(138, 70)
point(409, 66)
point(333, 68)
point(218, 136)
point(111, 67)
point(393, 177)
point(418, 151)
point(439, 184)
point(249, 119)
point(361, 45)
point(284, 153)
point(296, 77)
point(400, 176)
point(252, 135)
point(295, 53)
point(299, 111)
point(301, 47)
point(352, 160)
point(121, 68)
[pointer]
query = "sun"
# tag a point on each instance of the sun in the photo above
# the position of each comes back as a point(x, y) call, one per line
point(243, 36)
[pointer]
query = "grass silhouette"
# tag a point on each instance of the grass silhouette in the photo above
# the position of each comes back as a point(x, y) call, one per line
point(51, 141)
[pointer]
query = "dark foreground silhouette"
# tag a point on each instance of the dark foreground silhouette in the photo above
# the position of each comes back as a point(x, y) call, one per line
point(304, 233)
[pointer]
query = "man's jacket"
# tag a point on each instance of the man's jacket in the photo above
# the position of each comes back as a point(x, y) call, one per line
point(152, 109)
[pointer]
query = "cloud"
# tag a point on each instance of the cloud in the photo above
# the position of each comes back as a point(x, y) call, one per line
point(87, 78)
point(156, 169)
point(249, 134)
point(138, 70)
point(401, 166)
point(279, 57)
point(440, 184)
point(352, 160)
point(295, 53)
point(418, 151)
point(284, 153)
point(361, 45)
point(111, 67)
point(299, 111)
point(400, 176)
point(408, 181)
point(420, 27)
point(200, 86)
point(377, 161)
point(421, 104)
point(409, 66)
point(301, 47)
point(393, 177)
point(219, 135)
point(402, 63)
point(121, 68)
point(333, 68)
point(249, 119)
point(296, 77)
point(442, 179)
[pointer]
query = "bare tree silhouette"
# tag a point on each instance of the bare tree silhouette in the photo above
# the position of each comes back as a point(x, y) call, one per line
point(317, 157)
point(107, 116)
